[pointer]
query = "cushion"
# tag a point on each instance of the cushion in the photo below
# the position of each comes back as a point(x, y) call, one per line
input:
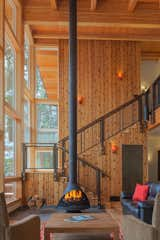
point(141, 192)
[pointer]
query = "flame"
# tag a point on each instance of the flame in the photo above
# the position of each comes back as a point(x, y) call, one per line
point(74, 195)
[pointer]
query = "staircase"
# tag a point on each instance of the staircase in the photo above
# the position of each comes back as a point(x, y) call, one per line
point(90, 136)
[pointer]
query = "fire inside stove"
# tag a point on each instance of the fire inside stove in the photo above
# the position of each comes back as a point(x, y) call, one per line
point(74, 195)
point(73, 199)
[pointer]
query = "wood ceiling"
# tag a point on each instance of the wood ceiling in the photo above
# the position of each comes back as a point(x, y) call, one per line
point(97, 19)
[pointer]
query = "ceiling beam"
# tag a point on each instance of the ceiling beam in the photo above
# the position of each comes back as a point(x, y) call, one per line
point(132, 5)
point(107, 33)
point(94, 5)
point(54, 4)
point(48, 69)
point(150, 55)
point(44, 16)
point(29, 34)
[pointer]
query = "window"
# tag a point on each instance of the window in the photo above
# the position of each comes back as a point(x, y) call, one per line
point(9, 163)
point(26, 121)
point(40, 90)
point(47, 123)
point(44, 159)
point(26, 62)
point(10, 60)
point(10, 12)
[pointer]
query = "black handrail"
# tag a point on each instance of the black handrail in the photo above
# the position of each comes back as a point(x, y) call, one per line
point(137, 97)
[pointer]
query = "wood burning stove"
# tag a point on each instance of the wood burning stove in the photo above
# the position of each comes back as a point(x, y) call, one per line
point(73, 199)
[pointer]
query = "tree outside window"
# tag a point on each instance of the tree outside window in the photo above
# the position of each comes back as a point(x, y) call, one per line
point(9, 62)
point(40, 90)
point(9, 162)
point(26, 62)
point(47, 123)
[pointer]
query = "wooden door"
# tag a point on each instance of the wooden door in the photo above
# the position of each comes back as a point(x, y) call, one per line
point(132, 166)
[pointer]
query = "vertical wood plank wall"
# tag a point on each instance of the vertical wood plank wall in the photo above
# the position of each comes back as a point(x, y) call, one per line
point(98, 64)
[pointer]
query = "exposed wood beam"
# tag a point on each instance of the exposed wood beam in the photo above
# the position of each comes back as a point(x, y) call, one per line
point(48, 69)
point(132, 5)
point(11, 35)
point(94, 4)
point(107, 33)
point(54, 4)
point(48, 101)
point(51, 52)
point(43, 43)
point(45, 16)
point(150, 55)
point(29, 34)
point(12, 113)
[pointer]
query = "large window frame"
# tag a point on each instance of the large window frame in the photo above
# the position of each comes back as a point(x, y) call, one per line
point(13, 34)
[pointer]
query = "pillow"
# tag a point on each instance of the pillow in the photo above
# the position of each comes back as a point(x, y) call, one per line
point(140, 193)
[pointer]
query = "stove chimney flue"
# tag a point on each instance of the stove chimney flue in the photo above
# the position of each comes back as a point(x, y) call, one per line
point(73, 91)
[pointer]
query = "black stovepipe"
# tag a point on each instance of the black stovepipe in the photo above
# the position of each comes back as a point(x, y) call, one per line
point(73, 91)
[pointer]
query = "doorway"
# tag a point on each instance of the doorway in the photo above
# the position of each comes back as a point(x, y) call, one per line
point(132, 166)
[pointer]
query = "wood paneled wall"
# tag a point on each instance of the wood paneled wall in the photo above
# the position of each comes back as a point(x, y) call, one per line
point(43, 185)
point(98, 64)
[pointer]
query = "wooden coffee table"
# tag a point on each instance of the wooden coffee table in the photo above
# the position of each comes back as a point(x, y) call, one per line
point(103, 223)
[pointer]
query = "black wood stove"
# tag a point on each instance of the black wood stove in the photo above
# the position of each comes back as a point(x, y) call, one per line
point(73, 199)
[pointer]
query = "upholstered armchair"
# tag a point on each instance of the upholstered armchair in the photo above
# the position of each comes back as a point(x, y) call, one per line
point(26, 229)
point(133, 228)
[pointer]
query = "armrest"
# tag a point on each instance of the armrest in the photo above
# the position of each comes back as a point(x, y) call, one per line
point(28, 228)
point(133, 228)
point(126, 195)
point(146, 204)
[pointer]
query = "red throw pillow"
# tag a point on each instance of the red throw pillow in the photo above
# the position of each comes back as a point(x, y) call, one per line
point(140, 193)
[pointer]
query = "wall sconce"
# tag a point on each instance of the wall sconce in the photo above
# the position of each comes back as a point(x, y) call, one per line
point(120, 75)
point(80, 99)
point(114, 148)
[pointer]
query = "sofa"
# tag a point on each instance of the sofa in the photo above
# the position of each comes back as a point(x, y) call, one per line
point(133, 228)
point(140, 209)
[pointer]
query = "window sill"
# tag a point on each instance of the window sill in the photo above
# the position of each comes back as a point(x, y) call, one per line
point(39, 170)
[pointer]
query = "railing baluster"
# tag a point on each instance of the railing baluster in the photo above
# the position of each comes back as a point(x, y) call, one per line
point(98, 187)
point(140, 115)
point(121, 122)
point(24, 149)
point(153, 104)
point(63, 156)
point(102, 136)
point(81, 141)
point(55, 162)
